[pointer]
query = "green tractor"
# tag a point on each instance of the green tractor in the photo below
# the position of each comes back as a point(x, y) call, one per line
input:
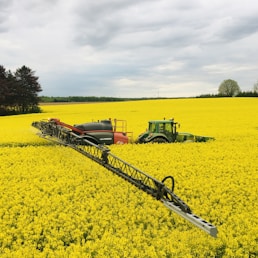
point(165, 131)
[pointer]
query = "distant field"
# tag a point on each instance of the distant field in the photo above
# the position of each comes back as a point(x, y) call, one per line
point(65, 103)
point(57, 203)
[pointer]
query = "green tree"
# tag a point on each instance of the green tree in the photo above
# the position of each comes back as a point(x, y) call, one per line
point(3, 88)
point(18, 91)
point(27, 89)
point(6, 90)
point(229, 88)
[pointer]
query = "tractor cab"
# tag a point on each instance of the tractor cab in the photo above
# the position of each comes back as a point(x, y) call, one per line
point(159, 131)
point(163, 127)
point(162, 131)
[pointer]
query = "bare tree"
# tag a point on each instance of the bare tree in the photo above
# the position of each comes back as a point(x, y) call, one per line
point(256, 87)
point(229, 88)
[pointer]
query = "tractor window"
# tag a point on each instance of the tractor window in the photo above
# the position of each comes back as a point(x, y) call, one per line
point(161, 128)
point(165, 128)
point(152, 127)
point(168, 127)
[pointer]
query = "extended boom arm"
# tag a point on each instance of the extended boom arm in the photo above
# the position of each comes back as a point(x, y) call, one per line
point(103, 156)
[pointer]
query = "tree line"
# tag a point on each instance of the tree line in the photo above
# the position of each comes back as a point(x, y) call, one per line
point(19, 91)
point(47, 99)
point(230, 88)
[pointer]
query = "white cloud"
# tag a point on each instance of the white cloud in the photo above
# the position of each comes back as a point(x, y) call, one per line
point(229, 68)
point(131, 48)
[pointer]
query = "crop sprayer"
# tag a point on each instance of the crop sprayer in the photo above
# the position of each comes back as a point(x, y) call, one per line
point(90, 140)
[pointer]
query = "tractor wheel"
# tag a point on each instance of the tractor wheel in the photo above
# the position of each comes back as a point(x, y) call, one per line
point(159, 140)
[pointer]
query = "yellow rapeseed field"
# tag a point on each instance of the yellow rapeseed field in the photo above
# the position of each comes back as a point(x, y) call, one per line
point(57, 203)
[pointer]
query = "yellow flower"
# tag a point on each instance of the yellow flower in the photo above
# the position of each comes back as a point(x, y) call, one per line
point(57, 203)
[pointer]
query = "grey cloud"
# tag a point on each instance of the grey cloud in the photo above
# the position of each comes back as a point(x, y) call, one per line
point(28, 13)
point(99, 24)
point(240, 28)
point(109, 47)
point(38, 5)
point(99, 21)
point(4, 14)
point(85, 85)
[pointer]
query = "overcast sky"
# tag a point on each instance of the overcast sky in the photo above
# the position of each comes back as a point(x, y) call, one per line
point(131, 48)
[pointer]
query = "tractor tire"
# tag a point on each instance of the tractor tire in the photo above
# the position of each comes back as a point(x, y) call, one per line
point(159, 140)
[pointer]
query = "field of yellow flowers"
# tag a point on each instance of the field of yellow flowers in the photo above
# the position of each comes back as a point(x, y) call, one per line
point(57, 203)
